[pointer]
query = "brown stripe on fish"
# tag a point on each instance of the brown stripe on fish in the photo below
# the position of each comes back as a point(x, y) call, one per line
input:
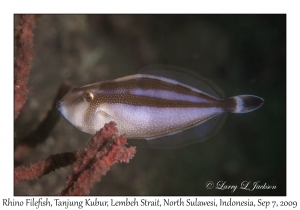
point(152, 92)
point(145, 83)
point(228, 104)
point(89, 116)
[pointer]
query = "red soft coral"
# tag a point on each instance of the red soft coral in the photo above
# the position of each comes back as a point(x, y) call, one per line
point(25, 52)
point(102, 151)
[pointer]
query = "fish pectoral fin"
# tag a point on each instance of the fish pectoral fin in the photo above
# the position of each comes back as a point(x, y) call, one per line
point(103, 113)
point(198, 133)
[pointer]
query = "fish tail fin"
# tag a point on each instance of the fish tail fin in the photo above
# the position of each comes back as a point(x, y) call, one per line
point(242, 103)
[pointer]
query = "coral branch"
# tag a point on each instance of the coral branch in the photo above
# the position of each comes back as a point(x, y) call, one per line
point(43, 167)
point(38, 136)
point(100, 153)
point(23, 60)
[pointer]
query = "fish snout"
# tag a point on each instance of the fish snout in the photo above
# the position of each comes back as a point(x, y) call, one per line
point(59, 105)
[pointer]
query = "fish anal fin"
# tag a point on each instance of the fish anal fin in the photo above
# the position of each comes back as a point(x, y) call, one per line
point(198, 133)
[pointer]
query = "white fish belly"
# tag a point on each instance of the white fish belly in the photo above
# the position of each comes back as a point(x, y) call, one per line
point(147, 121)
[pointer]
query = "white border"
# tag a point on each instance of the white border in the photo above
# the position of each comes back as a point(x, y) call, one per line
point(8, 8)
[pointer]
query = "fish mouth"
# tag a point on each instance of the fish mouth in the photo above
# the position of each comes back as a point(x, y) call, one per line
point(59, 105)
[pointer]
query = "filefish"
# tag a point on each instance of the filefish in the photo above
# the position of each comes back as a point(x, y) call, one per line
point(168, 106)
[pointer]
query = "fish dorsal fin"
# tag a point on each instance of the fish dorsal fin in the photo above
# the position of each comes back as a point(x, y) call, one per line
point(184, 76)
point(198, 133)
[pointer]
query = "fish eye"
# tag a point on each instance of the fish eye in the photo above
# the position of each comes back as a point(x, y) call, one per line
point(88, 96)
